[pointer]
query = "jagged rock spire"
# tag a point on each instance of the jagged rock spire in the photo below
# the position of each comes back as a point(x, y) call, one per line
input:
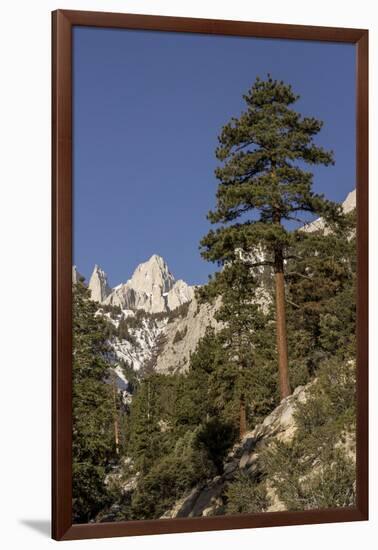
point(152, 277)
point(76, 276)
point(98, 285)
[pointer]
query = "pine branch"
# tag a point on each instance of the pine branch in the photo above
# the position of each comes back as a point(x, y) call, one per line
point(296, 274)
point(292, 303)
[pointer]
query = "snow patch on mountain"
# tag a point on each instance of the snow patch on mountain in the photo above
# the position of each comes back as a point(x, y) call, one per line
point(138, 348)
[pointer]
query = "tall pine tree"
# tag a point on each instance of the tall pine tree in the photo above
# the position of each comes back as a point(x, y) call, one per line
point(234, 382)
point(150, 420)
point(320, 286)
point(262, 185)
point(93, 442)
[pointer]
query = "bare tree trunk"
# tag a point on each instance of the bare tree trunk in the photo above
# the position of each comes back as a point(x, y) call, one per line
point(281, 331)
point(115, 412)
point(242, 417)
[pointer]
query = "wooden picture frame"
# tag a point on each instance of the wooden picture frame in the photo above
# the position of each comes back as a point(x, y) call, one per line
point(62, 23)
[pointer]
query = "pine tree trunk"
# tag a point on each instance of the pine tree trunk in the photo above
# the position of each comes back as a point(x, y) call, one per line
point(115, 412)
point(242, 417)
point(281, 331)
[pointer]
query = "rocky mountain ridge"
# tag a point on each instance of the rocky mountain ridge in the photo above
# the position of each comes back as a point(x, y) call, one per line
point(166, 308)
point(151, 288)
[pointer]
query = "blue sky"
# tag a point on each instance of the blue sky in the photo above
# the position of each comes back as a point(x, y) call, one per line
point(148, 107)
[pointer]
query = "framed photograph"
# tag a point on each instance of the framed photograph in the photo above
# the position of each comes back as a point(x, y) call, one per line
point(210, 274)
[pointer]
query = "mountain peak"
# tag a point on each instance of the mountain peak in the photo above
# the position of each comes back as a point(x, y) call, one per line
point(156, 258)
point(97, 269)
point(152, 288)
point(156, 262)
point(152, 276)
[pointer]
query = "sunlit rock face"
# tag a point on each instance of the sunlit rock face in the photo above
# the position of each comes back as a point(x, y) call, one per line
point(98, 285)
point(348, 205)
point(151, 288)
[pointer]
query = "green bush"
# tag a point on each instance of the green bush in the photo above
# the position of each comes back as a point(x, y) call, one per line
point(216, 438)
point(332, 485)
point(170, 478)
point(245, 496)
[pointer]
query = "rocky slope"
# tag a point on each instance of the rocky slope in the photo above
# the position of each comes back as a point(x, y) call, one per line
point(181, 337)
point(170, 322)
point(243, 462)
point(139, 349)
point(207, 499)
point(162, 343)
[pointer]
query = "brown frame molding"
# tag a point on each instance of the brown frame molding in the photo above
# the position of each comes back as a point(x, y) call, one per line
point(62, 23)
